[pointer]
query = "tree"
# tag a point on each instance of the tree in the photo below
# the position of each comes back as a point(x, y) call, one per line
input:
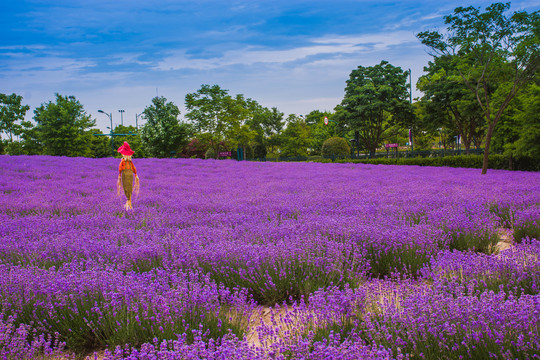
point(448, 103)
point(11, 111)
point(211, 111)
point(272, 126)
point(62, 127)
point(376, 98)
point(100, 145)
point(528, 143)
point(30, 139)
point(296, 137)
point(490, 49)
point(163, 134)
point(520, 133)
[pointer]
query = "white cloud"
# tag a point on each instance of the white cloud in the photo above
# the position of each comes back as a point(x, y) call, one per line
point(326, 46)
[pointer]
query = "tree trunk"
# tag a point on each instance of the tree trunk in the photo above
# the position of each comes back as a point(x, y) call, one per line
point(491, 127)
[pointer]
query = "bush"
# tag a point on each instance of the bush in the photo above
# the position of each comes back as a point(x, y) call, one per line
point(210, 154)
point(335, 146)
point(496, 161)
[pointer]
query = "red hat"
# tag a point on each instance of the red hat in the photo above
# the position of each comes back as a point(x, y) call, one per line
point(125, 149)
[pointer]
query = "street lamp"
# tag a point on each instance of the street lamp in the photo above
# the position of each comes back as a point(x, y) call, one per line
point(111, 129)
point(109, 115)
point(121, 117)
point(137, 116)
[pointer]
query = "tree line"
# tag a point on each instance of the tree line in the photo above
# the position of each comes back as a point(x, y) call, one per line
point(481, 89)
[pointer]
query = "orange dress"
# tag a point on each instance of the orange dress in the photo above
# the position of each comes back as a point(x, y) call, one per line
point(126, 170)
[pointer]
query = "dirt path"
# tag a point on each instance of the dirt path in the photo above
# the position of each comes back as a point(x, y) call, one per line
point(507, 239)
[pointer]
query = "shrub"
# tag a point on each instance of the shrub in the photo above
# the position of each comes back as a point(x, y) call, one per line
point(335, 146)
point(210, 154)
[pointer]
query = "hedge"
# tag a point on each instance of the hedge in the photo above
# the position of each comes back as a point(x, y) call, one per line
point(496, 161)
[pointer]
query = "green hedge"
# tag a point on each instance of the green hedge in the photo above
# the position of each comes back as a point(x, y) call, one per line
point(496, 161)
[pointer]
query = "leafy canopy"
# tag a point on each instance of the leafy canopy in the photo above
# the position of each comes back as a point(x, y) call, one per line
point(11, 111)
point(376, 98)
point(63, 127)
point(163, 134)
point(490, 49)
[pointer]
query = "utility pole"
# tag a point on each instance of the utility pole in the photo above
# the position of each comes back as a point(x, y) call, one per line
point(137, 116)
point(121, 117)
point(410, 101)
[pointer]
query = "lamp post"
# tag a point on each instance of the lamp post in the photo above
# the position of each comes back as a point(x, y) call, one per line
point(121, 117)
point(111, 129)
point(137, 116)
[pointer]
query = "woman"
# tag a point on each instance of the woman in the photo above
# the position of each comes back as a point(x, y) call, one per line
point(126, 170)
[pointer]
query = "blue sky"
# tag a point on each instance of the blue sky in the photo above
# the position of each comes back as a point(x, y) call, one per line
point(294, 55)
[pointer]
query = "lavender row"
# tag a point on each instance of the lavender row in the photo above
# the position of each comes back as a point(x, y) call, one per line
point(92, 305)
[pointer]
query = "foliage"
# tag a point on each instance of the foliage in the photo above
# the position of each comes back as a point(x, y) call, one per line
point(63, 127)
point(321, 132)
point(335, 146)
point(479, 241)
point(376, 98)
point(526, 125)
point(11, 111)
point(449, 104)
point(529, 229)
point(100, 145)
point(194, 149)
point(462, 161)
point(210, 154)
point(491, 49)
point(213, 112)
point(295, 138)
point(163, 134)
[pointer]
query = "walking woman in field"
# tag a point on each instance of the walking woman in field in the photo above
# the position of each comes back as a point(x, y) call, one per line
point(126, 170)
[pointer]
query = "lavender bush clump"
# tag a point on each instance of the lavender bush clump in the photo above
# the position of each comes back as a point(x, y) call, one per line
point(516, 271)
point(23, 342)
point(527, 224)
point(226, 259)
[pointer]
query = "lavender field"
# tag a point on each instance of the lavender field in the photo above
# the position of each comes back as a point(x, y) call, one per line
point(246, 260)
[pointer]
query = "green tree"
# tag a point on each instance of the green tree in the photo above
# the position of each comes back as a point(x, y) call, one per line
point(528, 143)
point(31, 143)
point(11, 111)
point(521, 136)
point(238, 115)
point(273, 126)
point(100, 145)
point(448, 103)
point(296, 138)
point(376, 98)
point(163, 133)
point(490, 49)
point(266, 123)
point(211, 110)
point(63, 127)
